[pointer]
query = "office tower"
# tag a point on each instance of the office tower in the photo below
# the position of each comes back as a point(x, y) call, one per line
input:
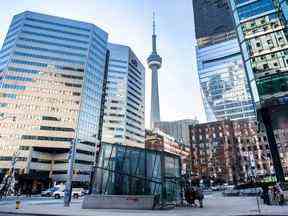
point(224, 86)
point(125, 98)
point(262, 32)
point(51, 87)
point(178, 129)
point(154, 62)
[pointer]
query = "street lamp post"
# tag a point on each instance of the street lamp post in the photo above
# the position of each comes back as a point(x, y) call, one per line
point(68, 185)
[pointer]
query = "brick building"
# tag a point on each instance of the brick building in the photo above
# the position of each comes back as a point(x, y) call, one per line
point(158, 140)
point(234, 151)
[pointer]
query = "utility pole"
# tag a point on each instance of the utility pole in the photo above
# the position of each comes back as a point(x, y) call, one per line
point(68, 185)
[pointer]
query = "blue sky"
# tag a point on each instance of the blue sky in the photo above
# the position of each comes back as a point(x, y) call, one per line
point(129, 22)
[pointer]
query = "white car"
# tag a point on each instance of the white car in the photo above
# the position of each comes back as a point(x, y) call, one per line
point(76, 193)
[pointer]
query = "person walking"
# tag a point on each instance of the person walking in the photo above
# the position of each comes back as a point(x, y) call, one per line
point(199, 196)
point(280, 194)
point(265, 195)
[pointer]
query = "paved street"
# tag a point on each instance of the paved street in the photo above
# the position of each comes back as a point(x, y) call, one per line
point(215, 205)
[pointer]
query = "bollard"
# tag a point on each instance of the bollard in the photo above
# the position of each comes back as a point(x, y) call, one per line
point(18, 204)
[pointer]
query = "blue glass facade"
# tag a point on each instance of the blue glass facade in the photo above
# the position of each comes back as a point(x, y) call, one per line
point(224, 86)
point(125, 100)
point(52, 69)
point(262, 31)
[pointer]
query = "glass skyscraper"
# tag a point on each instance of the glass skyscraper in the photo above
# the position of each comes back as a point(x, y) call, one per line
point(262, 32)
point(223, 82)
point(221, 72)
point(52, 73)
point(125, 98)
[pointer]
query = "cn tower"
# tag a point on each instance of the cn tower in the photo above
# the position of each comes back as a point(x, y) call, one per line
point(154, 62)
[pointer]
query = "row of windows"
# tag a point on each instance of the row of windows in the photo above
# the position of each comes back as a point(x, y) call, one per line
point(38, 160)
point(58, 24)
point(132, 72)
point(112, 77)
point(134, 133)
point(15, 22)
point(133, 126)
point(56, 128)
point(46, 138)
point(12, 86)
point(55, 30)
point(80, 151)
point(72, 77)
point(38, 64)
point(100, 40)
point(60, 162)
point(50, 118)
point(95, 34)
point(133, 107)
point(17, 78)
point(117, 71)
point(96, 58)
point(131, 76)
point(12, 32)
point(73, 85)
point(4, 50)
point(134, 90)
point(102, 51)
point(13, 28)
point(132, 119)
point(135, 70)
point(134, 84)
point(117, 66)
point(50, 50)
point(24, 148)
point(117, 60)
point(133, 95)
point(54, 37)
point(5, 158)
point(83, 162)
point(8, 95)
point(48, 57)
point(28, 107)
point(49, 99)
point(53, 43)
point(134, 114)
point(8, 41)
point(69, 68)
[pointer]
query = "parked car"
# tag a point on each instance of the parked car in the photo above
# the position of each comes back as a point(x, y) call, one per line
point(76, 193)
point(48, 192)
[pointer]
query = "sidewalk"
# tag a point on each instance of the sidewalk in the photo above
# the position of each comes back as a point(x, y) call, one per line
point(213, 206)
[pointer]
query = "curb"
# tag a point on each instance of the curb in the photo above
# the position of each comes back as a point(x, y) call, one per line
point(31, 214)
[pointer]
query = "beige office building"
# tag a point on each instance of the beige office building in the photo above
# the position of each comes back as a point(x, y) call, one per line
point(52, 72)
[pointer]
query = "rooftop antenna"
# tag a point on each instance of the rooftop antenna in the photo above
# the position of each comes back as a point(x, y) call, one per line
point(153, 23)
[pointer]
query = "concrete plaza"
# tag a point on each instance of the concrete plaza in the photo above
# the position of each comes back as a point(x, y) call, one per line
point(215, 205)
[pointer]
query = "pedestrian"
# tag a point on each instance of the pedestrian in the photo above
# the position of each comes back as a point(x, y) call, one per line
point(270, 195)
point(190, 196)
point(280, 194)
point(199, 196)
point(265, 195)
